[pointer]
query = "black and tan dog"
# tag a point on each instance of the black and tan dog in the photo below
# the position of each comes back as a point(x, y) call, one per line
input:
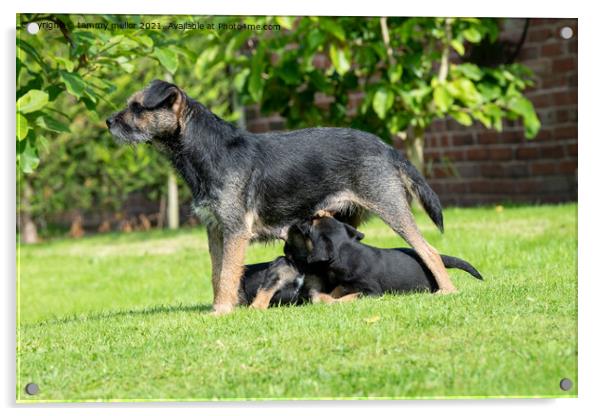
point(255, 186)
point(332, 250)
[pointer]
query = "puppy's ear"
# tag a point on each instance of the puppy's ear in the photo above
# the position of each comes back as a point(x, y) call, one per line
point(162, 94)
point(353, 233)
point(320, 249)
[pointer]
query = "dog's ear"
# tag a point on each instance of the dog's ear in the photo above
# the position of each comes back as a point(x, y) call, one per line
point(320, 248)
point(162, 94)
point(353, 233)
point(295, 245)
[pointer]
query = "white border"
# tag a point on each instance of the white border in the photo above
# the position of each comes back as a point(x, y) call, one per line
point(590, 69)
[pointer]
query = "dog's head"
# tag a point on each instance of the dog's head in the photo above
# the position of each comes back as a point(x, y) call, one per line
point(151, 114)
point(319, 239)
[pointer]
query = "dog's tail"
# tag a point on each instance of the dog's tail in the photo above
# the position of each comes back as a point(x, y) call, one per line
point(457, 263)
point(416, 184)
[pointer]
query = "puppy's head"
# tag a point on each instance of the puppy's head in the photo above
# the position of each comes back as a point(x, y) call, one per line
point(151, 114)
point(319, 240)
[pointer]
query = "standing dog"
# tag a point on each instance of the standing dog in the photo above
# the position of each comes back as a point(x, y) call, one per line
point(255, 186)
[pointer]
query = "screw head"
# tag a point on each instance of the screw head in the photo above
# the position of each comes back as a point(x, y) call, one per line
point(566, 384)
point(33, 28)
point(32, 389)
point(566, 32)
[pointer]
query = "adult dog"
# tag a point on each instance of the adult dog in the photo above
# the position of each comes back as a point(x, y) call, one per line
point(255, 186)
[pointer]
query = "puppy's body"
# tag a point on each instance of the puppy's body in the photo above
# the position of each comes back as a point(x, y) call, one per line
point(279, 282)
point(255, 186)
point(334, 252)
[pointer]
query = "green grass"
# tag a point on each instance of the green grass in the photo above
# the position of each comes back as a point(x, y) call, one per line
point(124, 317)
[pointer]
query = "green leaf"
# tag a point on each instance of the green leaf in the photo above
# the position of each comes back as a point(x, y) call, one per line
point(168, 58)
point(144, 40)
point(68, 64)
point(461, 117)
point(34, 100)
point(395, 72)
point(442, 99)
point(464, 90)
point(472, 35)
point(339, 60)
point(285, 21)
point(524, 108)
point(479, 115)
point(74, 83)
point(28, 159)
point(255, 78)
point(22, 127)
point(330, 25)
point(458, 46)
point(470, 71)
point(240, 78)
point(49, 123)
point(382, 102)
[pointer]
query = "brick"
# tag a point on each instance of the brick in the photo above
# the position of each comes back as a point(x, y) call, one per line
point(528, 53)
point(527, 153)
point(488, 137)
point(543, 168)
point(552, 49)
point(568, 167)
point(541, 100)
point(453, 154)
point(526, 186)
point(566, 132)
point(572, 149)
point(492, 170)
point(552, 151)
point(500, 153)
point(477, 153)
point(515, 170)
point(556, 184)
point(432, 155)
point(564, 97)
point(470, 170)
point(462, 139)
point(513, 136)
point(564, 64)
point(538, 35)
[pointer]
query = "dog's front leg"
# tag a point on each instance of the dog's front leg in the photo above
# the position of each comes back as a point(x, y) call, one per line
point(225, 287)
point(216, 249)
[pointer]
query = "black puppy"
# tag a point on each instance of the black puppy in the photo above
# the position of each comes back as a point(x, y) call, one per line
point(332, 251)
point(249, 186)
point(278, 282)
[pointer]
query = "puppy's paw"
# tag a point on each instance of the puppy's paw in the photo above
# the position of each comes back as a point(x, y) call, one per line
point(222, 309)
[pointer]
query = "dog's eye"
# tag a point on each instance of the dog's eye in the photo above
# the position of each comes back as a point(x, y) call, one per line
point(136, 108)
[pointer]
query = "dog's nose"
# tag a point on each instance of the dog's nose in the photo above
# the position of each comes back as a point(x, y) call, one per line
point(110, 121)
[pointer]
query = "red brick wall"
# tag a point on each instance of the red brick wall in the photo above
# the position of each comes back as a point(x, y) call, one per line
point(472, 165)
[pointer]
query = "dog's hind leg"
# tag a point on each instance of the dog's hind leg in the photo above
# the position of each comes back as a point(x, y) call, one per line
point(389, 201)
point(225, 295)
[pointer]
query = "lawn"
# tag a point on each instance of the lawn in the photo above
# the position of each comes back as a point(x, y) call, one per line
point(124, 317)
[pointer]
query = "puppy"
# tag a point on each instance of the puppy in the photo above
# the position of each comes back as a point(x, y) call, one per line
point(278, 282)
point(332, 250)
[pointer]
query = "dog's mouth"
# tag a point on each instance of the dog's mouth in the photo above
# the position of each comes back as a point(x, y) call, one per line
point(126, 135)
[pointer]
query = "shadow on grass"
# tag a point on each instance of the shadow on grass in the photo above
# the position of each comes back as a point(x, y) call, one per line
point(159, 309)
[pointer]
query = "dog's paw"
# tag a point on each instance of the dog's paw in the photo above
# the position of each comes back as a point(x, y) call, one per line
point(222, 309)
point(446, 291)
